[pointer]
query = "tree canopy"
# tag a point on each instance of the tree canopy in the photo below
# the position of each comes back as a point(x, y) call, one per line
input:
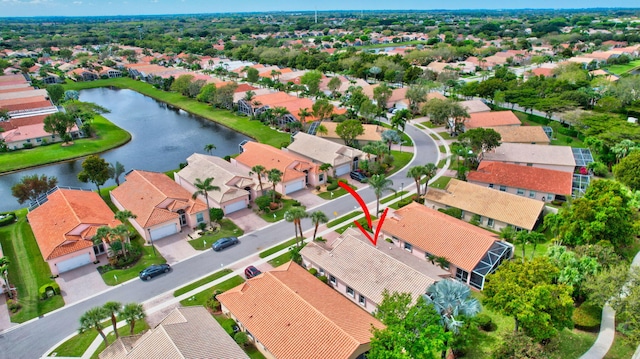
point(31, 187)
point(95, 170)
point(349, 130)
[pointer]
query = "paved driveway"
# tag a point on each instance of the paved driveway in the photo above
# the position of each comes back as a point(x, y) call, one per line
point(175, 248)
point(247, 219)
point(83, 282)
point(307, 198)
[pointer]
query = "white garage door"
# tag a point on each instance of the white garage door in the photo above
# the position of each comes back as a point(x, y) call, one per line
point(233, 207)
point(163, 231)
point(292, 187)
point(73, 263)
point(343, 170)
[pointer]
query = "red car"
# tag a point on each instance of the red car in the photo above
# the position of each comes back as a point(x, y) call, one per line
point(251, 272)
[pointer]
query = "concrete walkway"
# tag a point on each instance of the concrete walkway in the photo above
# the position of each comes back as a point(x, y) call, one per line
point(608, 329)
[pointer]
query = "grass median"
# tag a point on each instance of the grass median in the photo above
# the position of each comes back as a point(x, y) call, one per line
point(202, 297)
point(201, 282)
point(227, 229)
point(244, 125)
point(108, 136)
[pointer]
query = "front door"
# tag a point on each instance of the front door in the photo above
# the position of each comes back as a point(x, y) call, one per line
point(183, 217)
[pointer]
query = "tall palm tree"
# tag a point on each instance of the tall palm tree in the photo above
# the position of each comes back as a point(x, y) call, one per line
point(416, 172)
point(317, 218)
point(380, 184)
point(275, 176)
point(295, 215)
point(303, 114)
point(430, 170)
point(122, 233)
point(4, 271)
point(451, 299)
point(103, 235)
point(203, 188)
point(209, 147)
point(535, 238)
point(124, 216)
point(522, 238)
point(92, 319)
point(391, 136)
point(259, 171)
point(325, 167)
point(113, 308)
point(131, 312)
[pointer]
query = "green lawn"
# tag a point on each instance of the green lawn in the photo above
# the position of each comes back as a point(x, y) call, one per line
point(202, 297)
point(339, 192)
point(279, 214)
point(445, 135)
point(203, 281)
point(148, 258)
point(442, 162)
point(280, 260)
point(420, 126)
point(227, 229)
point(28, 270)
point(621, 69)
point(77, 345)
point(244, 125)
point(108, 136)
point(428, 124)
point(559, 139)
point(278, 248)
point(362, 221)
point(442, 149)
point(344, 218)
point(441, 182)
point(393, 196)
point(400, 159)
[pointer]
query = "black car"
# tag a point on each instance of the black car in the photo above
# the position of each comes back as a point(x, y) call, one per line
point(358, 176)
point(223, 243)
point(251, 272)
point(154, 270)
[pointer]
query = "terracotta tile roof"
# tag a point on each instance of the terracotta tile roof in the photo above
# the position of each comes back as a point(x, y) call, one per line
point(58, 223)
point(25, 105)
point(371, 132)
point(461, 243)
point(24, 121)
point(145, 194)
point(186, 332)
point(12, 79)
point(491, 119)
point(542, 71)
point(522, 134)
point(366, 269)
point(536, 154)
point(291, 312)
point(525, 177)
point(501, 206)
point(289, 164)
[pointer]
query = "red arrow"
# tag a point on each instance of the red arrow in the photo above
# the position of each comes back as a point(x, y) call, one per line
point(367, 215)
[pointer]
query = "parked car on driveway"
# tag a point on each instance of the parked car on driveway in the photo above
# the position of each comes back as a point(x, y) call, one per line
point(223, 243)
point(154, 270)
point(251, 272)
point(358, 176)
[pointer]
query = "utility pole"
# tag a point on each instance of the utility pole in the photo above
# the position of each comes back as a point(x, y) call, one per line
point(316, 15)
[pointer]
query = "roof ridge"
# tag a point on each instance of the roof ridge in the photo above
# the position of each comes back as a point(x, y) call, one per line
point(75, 215)
point(140, 173)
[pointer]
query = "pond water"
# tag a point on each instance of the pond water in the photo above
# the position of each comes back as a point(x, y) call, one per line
point(162, 138)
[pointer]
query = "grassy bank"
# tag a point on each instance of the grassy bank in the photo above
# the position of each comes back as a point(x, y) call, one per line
point(108, 136)
point(28, 270)
point(254, 129)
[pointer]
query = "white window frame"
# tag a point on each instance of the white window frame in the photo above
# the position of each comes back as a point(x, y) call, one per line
point(362, 300)
point(350, 292)
point(408, 247)
point(520, 192)
point(532, 194)
point(503, 188)
point(332, 280)
point(490, 222)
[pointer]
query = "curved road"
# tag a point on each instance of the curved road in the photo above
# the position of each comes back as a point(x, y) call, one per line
point(32, 339)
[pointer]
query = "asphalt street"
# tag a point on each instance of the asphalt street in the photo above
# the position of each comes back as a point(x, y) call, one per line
point(32, 339)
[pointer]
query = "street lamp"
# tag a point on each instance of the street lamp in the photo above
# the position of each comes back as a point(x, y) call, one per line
point(401, 189)
point(151, 240)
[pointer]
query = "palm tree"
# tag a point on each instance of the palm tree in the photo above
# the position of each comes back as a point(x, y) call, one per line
point(113, 308)
point(303, 114)
point(522, 238)
point(325, 167)
point(535, 238)
point(117, 169)
point(103, 235)
point(275, 176)
point(430, 170)
point(259, 171)
point(132, 312)
point(391, 136)
point(122, 233)
point(209, 147)
point(380, 184)
point(295, 215)
point(4, 271)
point(203, 188)
point(416, 172)
point(451, 298)
point(124, 217)
point(317, 218)
point(92, 319)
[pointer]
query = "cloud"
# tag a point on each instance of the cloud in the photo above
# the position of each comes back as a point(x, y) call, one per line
point(19, 2)
point(77, 3)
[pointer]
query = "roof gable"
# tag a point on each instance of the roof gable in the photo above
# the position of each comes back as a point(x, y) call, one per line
point(525, 177)
point(289, 164)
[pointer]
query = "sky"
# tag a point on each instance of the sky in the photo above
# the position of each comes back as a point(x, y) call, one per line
point(154, 7)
